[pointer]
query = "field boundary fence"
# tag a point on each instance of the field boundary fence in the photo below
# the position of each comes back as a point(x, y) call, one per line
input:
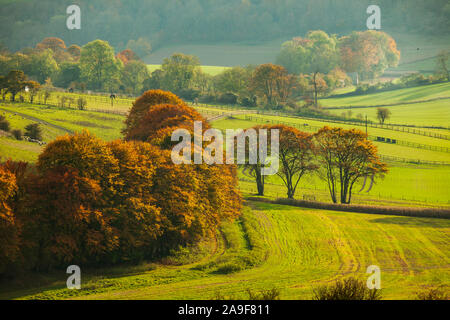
point(311, 128)
point(394, 127)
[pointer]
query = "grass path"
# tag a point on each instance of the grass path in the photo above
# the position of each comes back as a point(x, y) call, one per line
point(303, 248)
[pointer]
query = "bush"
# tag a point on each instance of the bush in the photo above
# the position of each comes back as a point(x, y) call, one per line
point(207, 98)
point(4, 124)
point(17, 134)
point(81, 103)
point(348, 289)
point(270, 294)
point(433, 294)
point(227, 98)
point(247, 102)
point(189, 94)
point(33, 131)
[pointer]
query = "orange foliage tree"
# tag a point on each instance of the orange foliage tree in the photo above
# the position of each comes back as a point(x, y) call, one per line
point(127, 55)
point(296, 156)
point(346, 156)
point(157, 124)
point(144, 103)
point(273, 83)
point(9, 229)
point(58, 47)
point(193, 198)
point(368, 53)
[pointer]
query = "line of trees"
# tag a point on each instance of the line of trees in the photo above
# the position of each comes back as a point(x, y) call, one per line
point(90, 202)
point(342, 158)
point(95, 66)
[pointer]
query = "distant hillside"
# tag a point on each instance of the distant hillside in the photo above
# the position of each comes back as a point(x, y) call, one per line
point(23, 23)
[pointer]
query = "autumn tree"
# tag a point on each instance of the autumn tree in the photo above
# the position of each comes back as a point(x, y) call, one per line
point(157, 124)
point(346, 156)
point(144, 103)
point(9, 228)
point(127, 55)
point(273, 83)
point(368, 53)
point(383, 114)
point(57, 46)
point(134, 207)
point(15, 82)
point(201, 196)
point(75, 51)
point(296, 156)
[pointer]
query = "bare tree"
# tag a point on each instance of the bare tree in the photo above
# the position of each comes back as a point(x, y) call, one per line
point(383, 114)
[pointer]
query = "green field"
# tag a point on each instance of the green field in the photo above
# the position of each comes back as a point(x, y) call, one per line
point(423, 93)
point(211, 70)
point(291, 249)
point(272, 246)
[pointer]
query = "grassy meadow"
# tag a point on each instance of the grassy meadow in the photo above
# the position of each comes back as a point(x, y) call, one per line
point(291, 249)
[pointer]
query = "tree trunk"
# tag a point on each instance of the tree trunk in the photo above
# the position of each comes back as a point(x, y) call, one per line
point(260, 183)
point(315, 89)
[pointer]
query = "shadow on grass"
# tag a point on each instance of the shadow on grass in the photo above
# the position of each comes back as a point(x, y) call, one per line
point(414, 222)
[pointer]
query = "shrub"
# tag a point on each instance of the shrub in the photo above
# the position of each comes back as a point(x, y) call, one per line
point(207, 98)
point(189, 94)
point(17, 134)
point(228, 98)
point(4, 124)
point(433, 294)
point(33, 131)
point(348, 289)
point(271, 294)
point(81, 103)
point(247, 102)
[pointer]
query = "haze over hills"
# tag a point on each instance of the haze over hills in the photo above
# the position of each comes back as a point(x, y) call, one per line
point(23, 23)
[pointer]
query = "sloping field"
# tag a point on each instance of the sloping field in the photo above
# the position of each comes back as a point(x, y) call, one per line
point(421, 93)
point(301, 249)
point(426, 114)
point(211, 70)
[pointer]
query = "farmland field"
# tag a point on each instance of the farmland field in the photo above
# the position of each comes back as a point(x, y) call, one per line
point(288, 248)
point(291, 249)
point(211, 70)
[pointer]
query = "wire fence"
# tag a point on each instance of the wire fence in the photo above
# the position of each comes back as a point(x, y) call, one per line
point(319, 194)
point(308, 127)
point(394, 127)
